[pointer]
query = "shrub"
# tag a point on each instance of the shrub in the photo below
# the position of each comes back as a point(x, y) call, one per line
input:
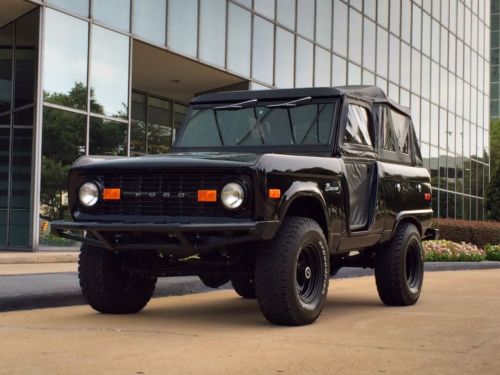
point(447, 251)
point(479, 233)
point(492, 252)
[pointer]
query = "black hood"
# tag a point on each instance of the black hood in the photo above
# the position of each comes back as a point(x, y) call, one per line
point(180, 160)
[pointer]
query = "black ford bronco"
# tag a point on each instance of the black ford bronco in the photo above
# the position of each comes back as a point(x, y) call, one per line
point(273, 191)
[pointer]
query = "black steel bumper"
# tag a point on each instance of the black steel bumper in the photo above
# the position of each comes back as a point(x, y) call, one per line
point(431, 234)
point(179, 239)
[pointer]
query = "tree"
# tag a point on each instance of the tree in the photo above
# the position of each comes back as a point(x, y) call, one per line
point(492, 202)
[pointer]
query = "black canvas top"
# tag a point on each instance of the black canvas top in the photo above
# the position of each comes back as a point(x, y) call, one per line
point(372, 94)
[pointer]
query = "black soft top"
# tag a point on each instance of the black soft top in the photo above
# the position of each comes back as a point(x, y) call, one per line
point(371, 94)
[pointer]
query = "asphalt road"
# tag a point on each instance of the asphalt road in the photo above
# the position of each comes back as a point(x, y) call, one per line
point(453, 329)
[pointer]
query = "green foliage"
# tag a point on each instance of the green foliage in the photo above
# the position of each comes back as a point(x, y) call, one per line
point(448, 251)
point(492, 202)
point(492, 252)
point(478, 233)
point(53, 184)
point(495, 144)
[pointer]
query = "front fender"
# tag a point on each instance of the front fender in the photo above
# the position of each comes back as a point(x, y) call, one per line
point(299, 189)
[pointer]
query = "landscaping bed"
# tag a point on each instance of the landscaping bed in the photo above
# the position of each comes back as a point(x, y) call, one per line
point(449, 251)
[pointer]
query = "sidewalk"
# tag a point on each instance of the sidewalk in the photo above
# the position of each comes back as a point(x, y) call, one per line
point(11, 257)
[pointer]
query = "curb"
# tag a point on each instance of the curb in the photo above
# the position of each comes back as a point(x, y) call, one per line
point(45, 257)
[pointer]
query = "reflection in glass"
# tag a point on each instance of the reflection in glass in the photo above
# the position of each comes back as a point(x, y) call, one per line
point(159, 130)
point(340, 17)
point(77, 6)
point(355, 36)
point(26, 58)
point(369, 34)
point(266, 7)
point(262, 59)
point(304, 63)
point(149, 20)
point(179, 114)
point(63, 141)
point(4, 163)
point(382, 48)
point(21, 168)
point(19, 227)
point(212, 31)
point(182, 26)
point(6, 41)
point(109, 73)
point(238, 40)
point(284, 58)
point(322, 68)
point(339, 71)
point(107, 137)
point(112, 12)
point(65, 60)
point(138, 125)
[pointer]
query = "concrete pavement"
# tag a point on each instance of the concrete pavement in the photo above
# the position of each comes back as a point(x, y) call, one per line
point(12, 257)
point(455, 328)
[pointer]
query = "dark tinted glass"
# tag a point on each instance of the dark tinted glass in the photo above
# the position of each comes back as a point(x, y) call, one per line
point(159, 126)
point(21, 168)
point(6, 40)
point(4, 164)
point(138, 126)
point(26, 58)
point(107, 137)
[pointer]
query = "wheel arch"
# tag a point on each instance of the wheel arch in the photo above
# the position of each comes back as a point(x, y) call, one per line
point(408, 219)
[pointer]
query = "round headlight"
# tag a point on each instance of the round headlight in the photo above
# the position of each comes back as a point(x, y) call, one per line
point(232, 195)
point(89, 194)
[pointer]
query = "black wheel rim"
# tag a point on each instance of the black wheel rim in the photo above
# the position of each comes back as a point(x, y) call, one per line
point(308, 277)
point(413, 266)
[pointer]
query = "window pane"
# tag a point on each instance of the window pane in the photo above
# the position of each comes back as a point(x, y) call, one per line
point(324, 22)
point(357, 126)
point(107, 137)
point(138, 125)
point(183, 25)
point(305, 18)
point(266, 7)
point(109, 73)
point(4, 163)
point(304, 60)
point(322, 68)
point(159, 126)
point(65, 60)
point(179, 114)
point(26, 59)
point(388, 141)
point(238, 40)
point(263, 41)
point(76, 6)
point(382, 50)
point(21, 168)
point(112, 12)
point(286, 13)
point(339, 71)
point(212, 31)
point(369, 35)
point(284, 58)
point(355, 36)
point(6, 44)
point(340, 28)
point(64, 135)
point(149, 20)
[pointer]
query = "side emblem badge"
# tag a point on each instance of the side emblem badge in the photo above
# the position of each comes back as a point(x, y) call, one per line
point(335, 188)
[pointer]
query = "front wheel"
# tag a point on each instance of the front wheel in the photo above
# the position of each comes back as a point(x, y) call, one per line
point(107, 285)
point(399, 268)
point(292, 273)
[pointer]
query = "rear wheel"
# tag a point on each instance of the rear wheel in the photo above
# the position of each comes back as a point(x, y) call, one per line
point(399, 268)
point(107, 285)
point(244, 286)
point(292, 273)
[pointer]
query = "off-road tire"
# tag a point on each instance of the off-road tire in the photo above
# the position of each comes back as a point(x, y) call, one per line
point(244, 286)
point(399, 267)
point(283, 298)
point(107, 287)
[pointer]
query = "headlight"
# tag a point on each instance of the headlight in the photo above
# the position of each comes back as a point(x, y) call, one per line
point(89, 194)
point(232, 196)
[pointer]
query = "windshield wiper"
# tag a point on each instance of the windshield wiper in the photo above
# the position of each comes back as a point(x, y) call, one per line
point(288, 104)
point(236, 105)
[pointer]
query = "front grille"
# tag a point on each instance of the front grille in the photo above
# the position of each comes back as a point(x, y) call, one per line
point(166, 193)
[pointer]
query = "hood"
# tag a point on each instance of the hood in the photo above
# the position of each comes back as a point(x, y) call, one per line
point(179, 160)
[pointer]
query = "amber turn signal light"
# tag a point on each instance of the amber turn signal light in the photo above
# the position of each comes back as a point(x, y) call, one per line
point(207, 195)
point(274, 193)
point(111, 194)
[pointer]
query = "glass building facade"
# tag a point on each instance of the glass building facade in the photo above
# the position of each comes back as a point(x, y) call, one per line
point(75, 80)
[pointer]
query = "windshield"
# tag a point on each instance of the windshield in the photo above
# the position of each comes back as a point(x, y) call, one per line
point(259, 125)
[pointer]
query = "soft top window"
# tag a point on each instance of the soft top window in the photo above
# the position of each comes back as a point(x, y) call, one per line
point(357, 130)
point(402, 129)
point(259, 125)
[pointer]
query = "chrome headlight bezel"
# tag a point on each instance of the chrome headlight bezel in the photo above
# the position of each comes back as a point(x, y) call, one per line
point(232, 196)
point(89, 194)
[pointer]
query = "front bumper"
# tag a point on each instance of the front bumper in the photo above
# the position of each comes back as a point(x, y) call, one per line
point(172, 238)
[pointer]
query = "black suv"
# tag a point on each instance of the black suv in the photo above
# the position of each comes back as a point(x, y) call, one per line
point(272, 190)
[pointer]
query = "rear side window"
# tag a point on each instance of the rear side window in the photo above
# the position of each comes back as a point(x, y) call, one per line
point(357, 129)
point(402, 131)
